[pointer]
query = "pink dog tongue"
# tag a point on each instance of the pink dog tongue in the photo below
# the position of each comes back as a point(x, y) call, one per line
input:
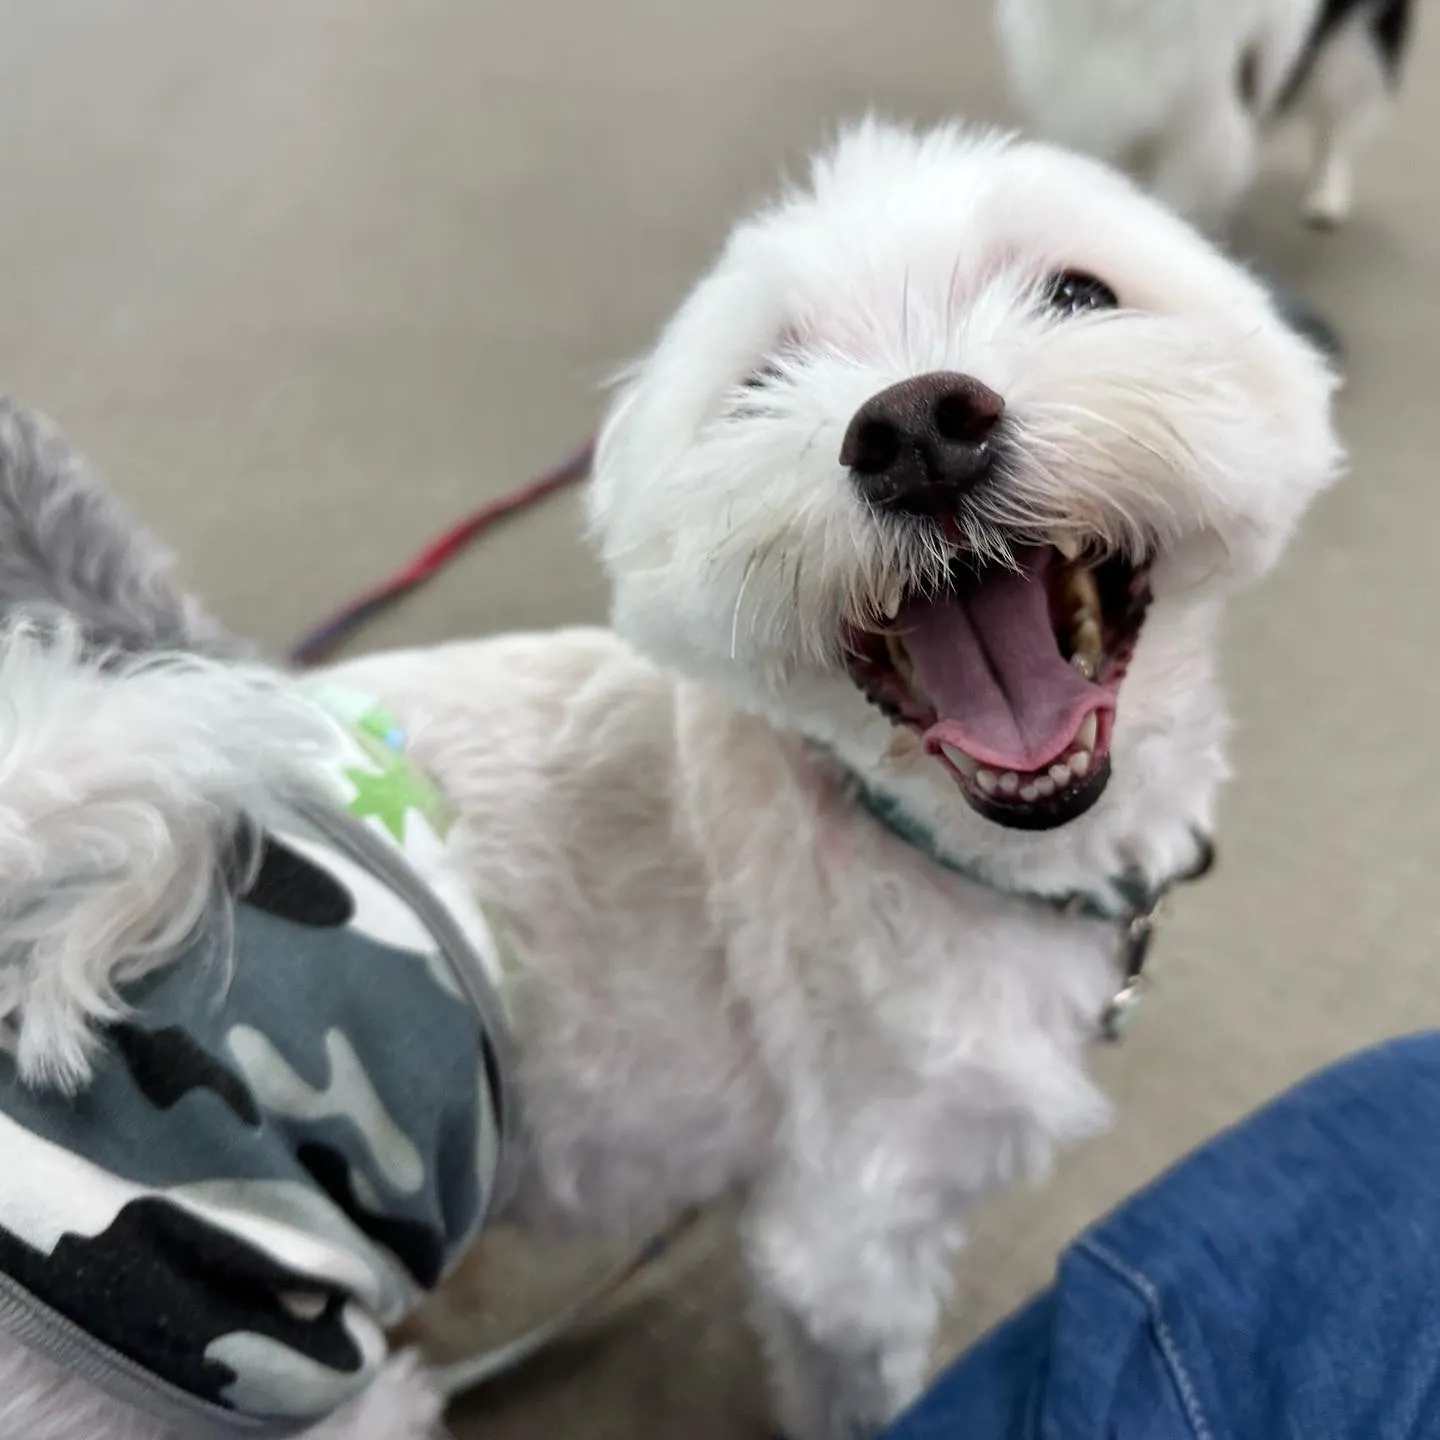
point(991, 665)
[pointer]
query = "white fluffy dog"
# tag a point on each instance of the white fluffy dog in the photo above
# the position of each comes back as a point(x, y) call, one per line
point(921, 518)
point(1181, 92)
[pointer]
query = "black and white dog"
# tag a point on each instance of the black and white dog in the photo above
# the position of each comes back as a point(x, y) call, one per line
point(1181, 92)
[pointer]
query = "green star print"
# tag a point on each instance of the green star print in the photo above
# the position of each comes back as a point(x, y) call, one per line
point(389, 795)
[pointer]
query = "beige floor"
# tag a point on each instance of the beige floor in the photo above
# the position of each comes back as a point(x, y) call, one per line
point(310, 277)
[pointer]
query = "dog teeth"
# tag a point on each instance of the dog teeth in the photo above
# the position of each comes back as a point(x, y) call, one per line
point(1081, 597)
point(1041, 785)
point(1066, 544)
point(900, 659)
point(1082, 593)
point(961, 761)
point(890, 604)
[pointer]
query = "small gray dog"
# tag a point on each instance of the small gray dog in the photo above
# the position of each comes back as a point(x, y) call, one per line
point(68, 546)
point(215, 1205)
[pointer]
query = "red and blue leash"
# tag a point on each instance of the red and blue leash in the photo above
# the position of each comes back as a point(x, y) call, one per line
point(325, 638)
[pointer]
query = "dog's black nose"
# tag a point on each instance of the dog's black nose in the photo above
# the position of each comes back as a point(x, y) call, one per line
point(918, 446)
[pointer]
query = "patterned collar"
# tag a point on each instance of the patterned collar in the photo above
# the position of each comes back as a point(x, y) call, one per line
point(1135, 905)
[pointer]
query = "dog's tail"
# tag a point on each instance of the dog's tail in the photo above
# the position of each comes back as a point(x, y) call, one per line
point(127, 786)
point(68, 546)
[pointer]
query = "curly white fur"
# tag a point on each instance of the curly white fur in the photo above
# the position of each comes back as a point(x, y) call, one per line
point(121, 780)
point(1191, 421)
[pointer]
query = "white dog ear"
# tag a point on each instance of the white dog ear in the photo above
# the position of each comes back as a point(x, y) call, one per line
point(123, 785)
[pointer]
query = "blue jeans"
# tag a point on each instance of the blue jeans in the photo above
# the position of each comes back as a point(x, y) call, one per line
point(1283, 1283)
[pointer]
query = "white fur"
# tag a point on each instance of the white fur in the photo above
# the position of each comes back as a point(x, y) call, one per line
point(1153, 86)
point(120, 782)
point(1193, 420)
point(734, 981)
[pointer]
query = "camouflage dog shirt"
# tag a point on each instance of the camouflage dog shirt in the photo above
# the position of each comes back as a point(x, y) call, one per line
point(280, 1152)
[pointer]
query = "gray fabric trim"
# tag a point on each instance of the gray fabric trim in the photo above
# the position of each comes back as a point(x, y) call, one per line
point(79, 1354)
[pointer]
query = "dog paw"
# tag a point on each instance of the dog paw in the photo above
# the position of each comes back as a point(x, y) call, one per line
point(1327, 206)
point(1322, 218)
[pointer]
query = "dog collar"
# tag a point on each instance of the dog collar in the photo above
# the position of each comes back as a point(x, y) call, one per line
point(1135, 908)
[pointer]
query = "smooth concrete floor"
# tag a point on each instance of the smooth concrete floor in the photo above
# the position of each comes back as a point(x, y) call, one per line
point(309, 278)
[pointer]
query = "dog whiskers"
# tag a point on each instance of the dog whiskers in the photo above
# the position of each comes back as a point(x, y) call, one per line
point(950, 292)
point(750, 565)
point(905, 316)
point(809, 444)
point(1131, 437)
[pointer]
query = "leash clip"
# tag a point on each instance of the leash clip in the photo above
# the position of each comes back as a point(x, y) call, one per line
point(1133, 950)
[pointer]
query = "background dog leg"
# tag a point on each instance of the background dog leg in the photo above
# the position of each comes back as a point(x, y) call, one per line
point(1327, 202)
point(1345, 100)
point(846, 1310)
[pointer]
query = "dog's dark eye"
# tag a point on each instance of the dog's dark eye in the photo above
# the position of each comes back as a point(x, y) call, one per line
point(1073, 291)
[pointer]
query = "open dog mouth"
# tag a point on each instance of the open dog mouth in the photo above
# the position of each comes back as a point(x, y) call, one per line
point(1011, 677)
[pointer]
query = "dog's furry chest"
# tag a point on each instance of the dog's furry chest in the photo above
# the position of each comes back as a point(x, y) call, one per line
point(941, 1035)
point(722, 960)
